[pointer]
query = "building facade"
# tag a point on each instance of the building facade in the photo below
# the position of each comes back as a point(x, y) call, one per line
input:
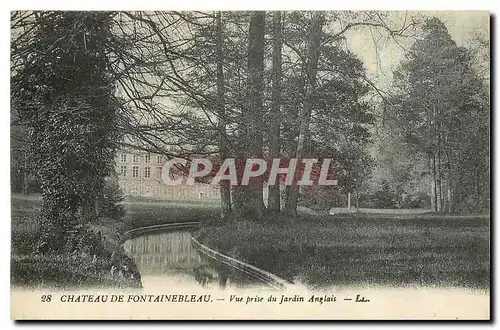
point(139, 174)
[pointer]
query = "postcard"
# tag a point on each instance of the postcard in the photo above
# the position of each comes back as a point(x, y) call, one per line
point(257, 165)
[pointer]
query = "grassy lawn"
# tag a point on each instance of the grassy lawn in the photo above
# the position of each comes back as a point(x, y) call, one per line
point(141, 214)
point(322, 251)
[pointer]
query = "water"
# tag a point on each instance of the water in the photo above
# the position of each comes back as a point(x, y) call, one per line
point(169, 259)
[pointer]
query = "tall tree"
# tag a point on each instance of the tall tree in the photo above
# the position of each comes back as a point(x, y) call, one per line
point(65, 96)
point(225, 188)
point(314, 43)
point(253, 206)
point(440, 107)
point(274, 201)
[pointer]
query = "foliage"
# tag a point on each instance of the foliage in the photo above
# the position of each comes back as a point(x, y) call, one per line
point(110, 204)
point(69, 271)
point(385, 197)
point(416, 201)
point(183, 67)
point(65, 97)
point(91, 255)
point(441, 109)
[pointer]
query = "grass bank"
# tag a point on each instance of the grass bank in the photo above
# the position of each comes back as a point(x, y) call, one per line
point(115, 269)
point(90, 267)
point(141, 214)
point(327, 250)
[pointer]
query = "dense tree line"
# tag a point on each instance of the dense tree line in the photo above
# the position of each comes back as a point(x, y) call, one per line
point(440, 110)
point(313, 104)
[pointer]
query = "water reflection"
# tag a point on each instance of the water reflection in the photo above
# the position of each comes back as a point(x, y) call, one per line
point(169, 257)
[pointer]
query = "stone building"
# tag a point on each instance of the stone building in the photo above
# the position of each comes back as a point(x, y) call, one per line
point(139, 174)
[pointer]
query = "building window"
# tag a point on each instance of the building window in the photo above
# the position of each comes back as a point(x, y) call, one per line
point(136, 158)
point(124, 158)
point(158, 172)
point(158, 159)
point(147, 172)
point(123, 171)
point(135, 172)
point(147, 158)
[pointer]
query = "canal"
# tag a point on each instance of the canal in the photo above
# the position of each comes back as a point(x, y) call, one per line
point(166, 258)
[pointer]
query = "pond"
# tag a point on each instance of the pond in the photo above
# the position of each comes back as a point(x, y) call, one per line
point(168, 258)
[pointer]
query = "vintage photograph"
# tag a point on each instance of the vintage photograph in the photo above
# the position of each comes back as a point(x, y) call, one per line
point(250, 165)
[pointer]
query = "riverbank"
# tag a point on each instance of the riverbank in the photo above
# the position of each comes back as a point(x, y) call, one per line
point(320, 251)
point(102, 263)
point(85, 270)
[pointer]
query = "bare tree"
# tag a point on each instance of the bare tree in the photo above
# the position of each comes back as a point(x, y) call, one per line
point(225, 189)
point(314, 44)
point(274, 200)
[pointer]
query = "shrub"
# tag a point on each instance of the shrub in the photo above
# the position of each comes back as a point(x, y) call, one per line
point(417, 201)
point(110, 205)
point(24, 242)
point(385, 197)
point(73, 270)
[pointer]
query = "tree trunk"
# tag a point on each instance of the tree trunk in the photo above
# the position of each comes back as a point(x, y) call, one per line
point(357, 200)
point(254, 204)
point(449, 194)
point(25, 174)
point(225, 188)
point(440, 206)
point(273, 201)
point(433, 184)
point(434, 192)
point(305, 117)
